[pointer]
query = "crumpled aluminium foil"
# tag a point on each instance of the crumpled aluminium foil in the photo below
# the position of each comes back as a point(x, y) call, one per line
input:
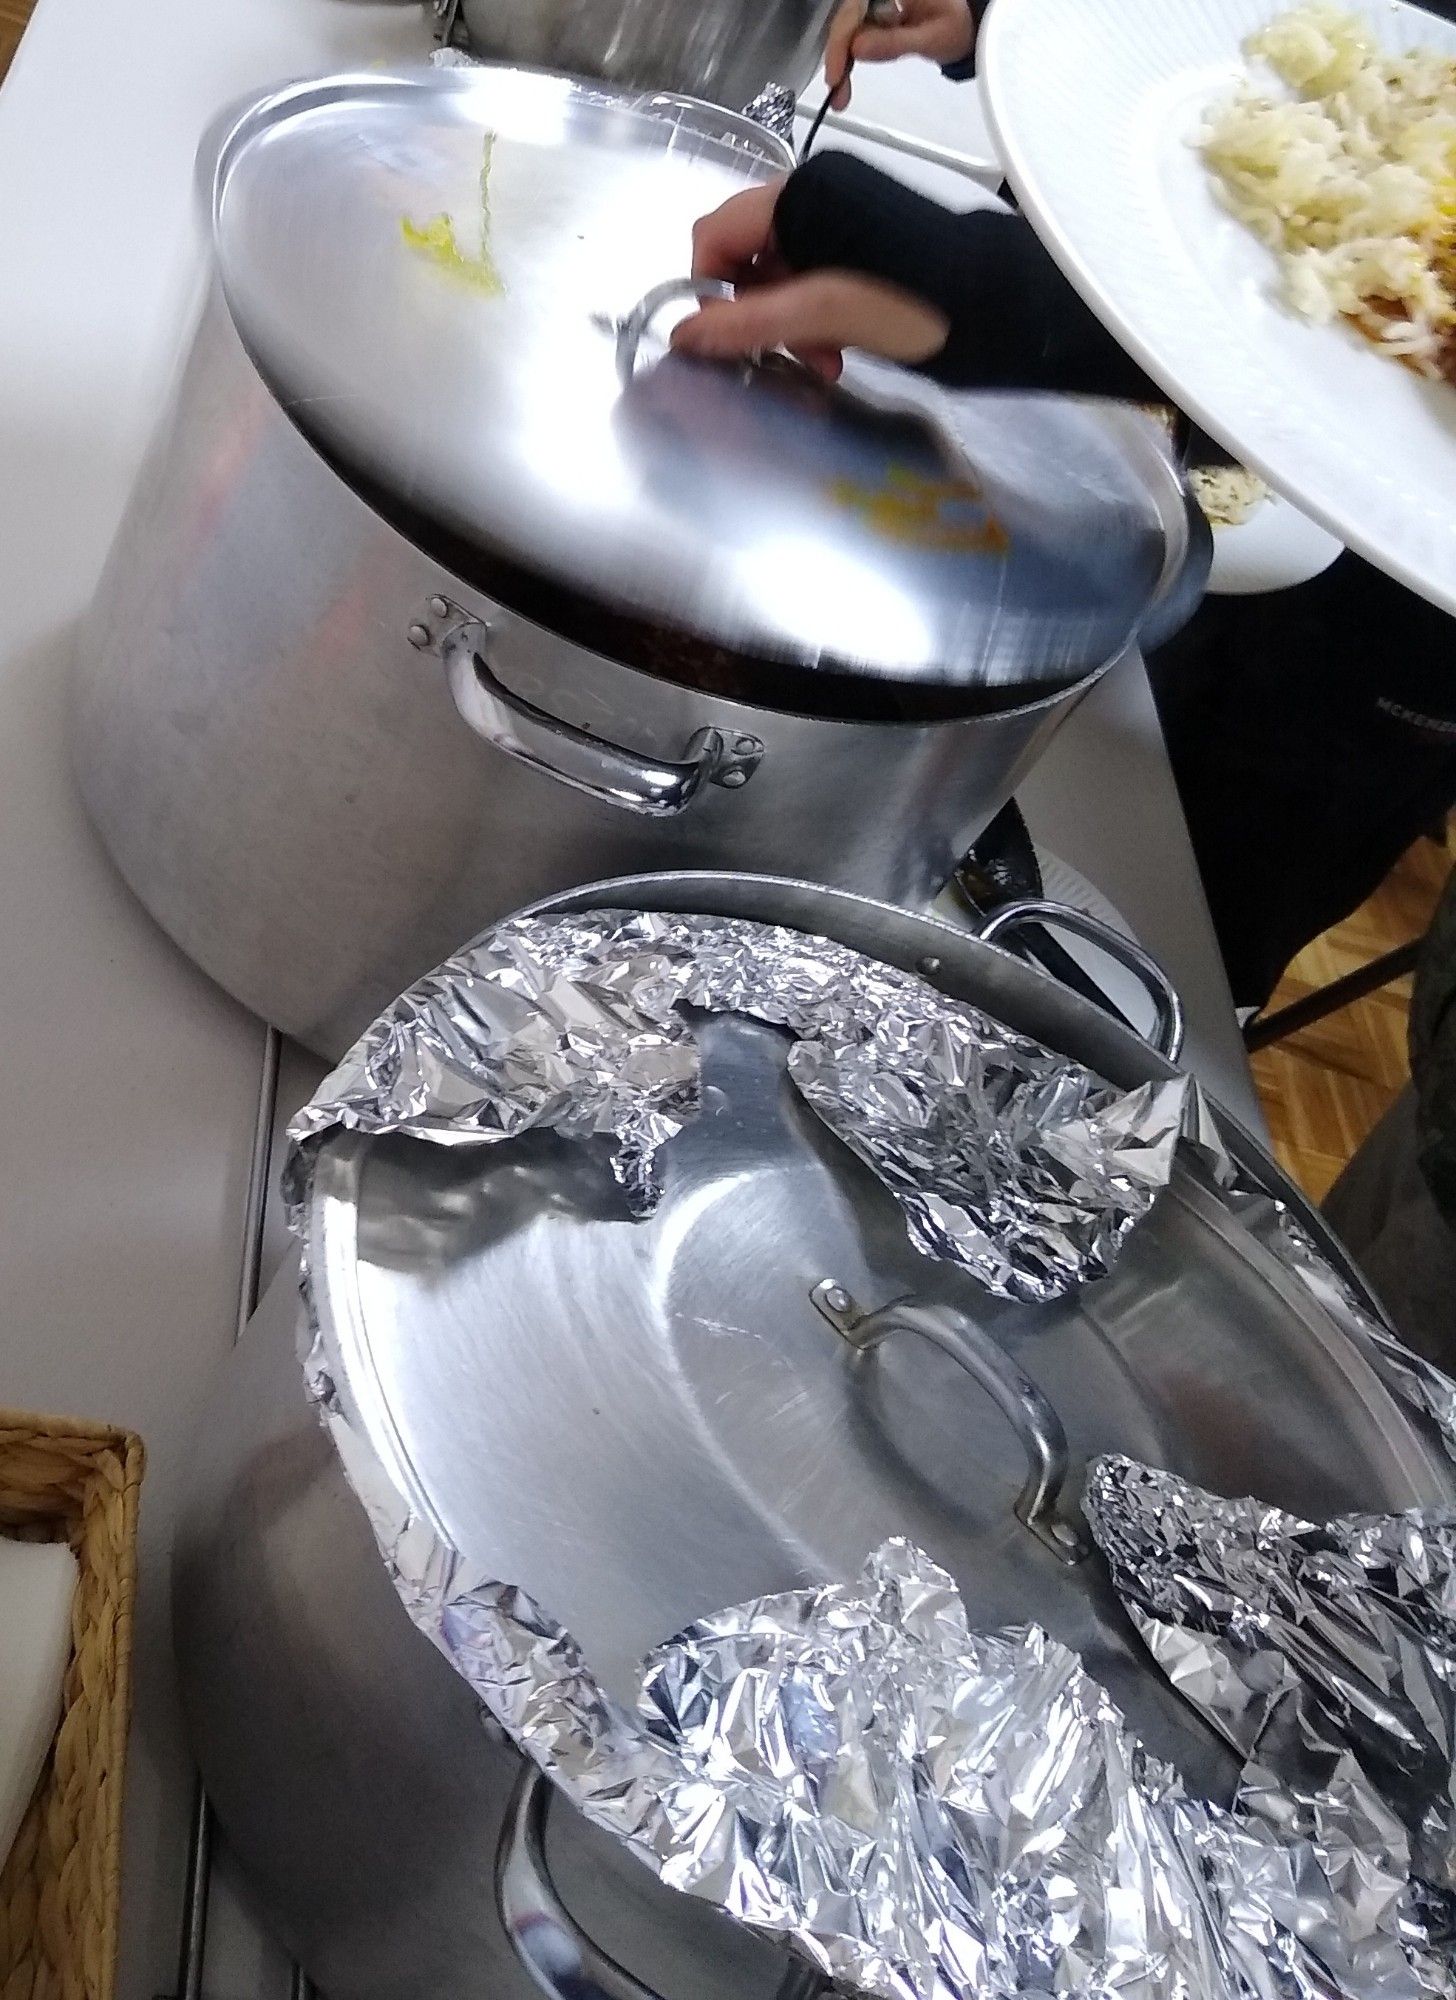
point(923, 1812)
point(929, 1814)
point(1006, 1159)
point(774, 109)
point(977, 1812)
point(1428, 1392)
point(1325, 1654)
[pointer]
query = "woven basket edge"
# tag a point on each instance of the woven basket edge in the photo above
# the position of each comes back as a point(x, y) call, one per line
point(82, 1429)
point(127, 1448)
point(133, 1456)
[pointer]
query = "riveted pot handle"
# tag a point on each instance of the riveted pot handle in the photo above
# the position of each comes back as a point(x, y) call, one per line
point(1031, 914)
point(552, 1947)
point(657, 787)
point(1018, 1398)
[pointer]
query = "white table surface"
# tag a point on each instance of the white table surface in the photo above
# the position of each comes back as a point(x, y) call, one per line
point(912, 98)
point(131, 1084)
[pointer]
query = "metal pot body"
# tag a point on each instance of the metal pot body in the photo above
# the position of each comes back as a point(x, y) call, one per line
point(719, 49)
point(321, 761)
point(348, 1763)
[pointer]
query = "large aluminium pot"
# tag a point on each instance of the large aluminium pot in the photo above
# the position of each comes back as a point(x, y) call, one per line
point(437, 597)
point(725, 50)
point(391, 1839)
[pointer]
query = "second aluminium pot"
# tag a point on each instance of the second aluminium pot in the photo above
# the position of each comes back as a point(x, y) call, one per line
point(638, 1422)
point(446, 588)
point(726, 50)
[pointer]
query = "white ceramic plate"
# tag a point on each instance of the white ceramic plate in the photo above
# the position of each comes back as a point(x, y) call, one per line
point(1275, 548)
point(1093, 104)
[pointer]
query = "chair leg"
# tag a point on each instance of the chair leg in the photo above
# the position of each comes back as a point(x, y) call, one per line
point(1267, 1028)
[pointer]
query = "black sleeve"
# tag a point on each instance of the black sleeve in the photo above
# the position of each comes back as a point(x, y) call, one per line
point(1015, 322)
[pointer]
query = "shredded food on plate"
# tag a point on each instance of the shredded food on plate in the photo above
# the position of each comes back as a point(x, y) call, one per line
point(1349, 176)
point(1227, 494)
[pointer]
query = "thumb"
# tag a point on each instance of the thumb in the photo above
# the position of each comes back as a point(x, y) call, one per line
point(847, 23)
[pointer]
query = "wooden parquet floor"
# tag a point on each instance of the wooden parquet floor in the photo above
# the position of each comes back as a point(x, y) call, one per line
point(13, 16)
point(1324, 1089)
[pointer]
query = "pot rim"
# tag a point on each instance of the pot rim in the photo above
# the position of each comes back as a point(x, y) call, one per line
point(755, 670)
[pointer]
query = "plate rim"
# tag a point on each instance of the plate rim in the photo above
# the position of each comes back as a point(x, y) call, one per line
point(1000, 27)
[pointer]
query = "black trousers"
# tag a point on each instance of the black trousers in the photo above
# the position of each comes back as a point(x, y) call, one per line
point(1312, 733)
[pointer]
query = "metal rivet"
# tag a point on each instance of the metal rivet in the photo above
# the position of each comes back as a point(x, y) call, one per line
point(837, 1299)
point(930, 966)
point(733, 779)
point(747, 746)
point(419, 635)
point(439, 607)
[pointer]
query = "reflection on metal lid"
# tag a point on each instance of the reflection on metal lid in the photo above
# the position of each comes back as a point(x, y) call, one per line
point(427, 268)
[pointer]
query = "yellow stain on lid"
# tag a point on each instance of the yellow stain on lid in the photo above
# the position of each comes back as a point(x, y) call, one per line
point(925, 513)
point(436, 239)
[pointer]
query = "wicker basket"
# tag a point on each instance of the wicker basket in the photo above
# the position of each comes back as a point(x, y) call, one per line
point(62, 1480)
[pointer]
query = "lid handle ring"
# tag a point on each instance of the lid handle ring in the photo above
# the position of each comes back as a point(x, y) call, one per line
point(654, 786)
point(1030, 913)
point(632, 330)
point(1018, 1398)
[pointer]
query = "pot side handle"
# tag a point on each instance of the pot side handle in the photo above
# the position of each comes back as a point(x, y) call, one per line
point(553, 1950)
point(1031, 914)
point(655, 787)
point(558, 1955)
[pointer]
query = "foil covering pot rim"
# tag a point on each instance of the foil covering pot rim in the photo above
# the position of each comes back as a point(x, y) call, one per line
point(907, 1873)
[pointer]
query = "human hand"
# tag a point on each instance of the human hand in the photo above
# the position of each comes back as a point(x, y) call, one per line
point(735, 242)
point(815, 315)
point(942, 30)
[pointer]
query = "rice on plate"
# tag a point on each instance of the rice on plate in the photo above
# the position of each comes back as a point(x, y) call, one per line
point(1228, 494)
point(1350, 179)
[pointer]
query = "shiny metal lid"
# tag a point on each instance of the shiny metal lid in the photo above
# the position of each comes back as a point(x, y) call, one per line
point(639, 1422)
point(433, 270)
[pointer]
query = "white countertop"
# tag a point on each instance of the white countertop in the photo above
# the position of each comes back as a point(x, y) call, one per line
point(132, 1084)
point(912, 98)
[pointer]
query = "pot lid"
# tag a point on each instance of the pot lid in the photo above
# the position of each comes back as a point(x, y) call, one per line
point(433, 271)
point(638, 1422)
